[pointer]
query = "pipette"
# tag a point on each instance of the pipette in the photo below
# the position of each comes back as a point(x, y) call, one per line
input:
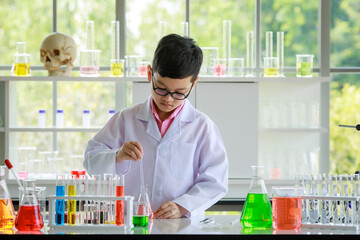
point(142, 175)
point(357, 127)
point(10, 166)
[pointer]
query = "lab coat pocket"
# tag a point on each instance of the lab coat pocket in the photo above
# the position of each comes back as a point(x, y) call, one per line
point(182, 160)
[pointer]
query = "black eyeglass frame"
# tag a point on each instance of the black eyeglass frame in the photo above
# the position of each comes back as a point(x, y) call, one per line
point(167, 92)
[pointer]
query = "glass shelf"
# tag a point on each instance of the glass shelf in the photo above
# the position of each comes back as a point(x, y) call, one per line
point(54, 129)
point(292, 130)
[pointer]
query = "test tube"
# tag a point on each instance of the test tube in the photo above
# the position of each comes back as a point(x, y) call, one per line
point(250, 54)
point(95, 205)
point(60, 204)
point(227, 41)
point(269, 44)
point(71, 188)
point(280, 52)
point(90, 35)
point(162, 29)
point(185, 29)
point(82, 191)
point(119, 192)
point(108, 191)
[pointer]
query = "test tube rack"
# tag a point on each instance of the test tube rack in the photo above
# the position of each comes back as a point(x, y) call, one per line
point(340, 207)
point(128, 213)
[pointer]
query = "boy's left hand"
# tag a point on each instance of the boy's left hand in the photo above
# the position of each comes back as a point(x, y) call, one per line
point(170, 210)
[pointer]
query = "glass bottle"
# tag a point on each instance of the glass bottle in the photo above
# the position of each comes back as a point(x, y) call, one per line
point(29, 216)
point(7, 214)
point(257, 212)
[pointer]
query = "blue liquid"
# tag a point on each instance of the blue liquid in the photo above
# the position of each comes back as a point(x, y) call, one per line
point(60, 206)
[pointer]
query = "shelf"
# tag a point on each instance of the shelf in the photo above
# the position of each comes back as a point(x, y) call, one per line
point(292, 130)
point(54, 129)
point(144, 79)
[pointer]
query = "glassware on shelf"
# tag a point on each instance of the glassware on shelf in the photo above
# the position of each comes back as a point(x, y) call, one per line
point(116, 64)
point(119, 183)
point(29, 217)
point(161, 29)
point(7, 214)
point(60, 118)
point(271, 66)
point(117, 67)
point(257, 211)
point(86, 118)
point(42, 118)
point(304, 65)
point(227, 41)
point(236, 67)
point(21, 65)
point(220, 67)
point(132, 63)
point(287, 208)
point(143, 68)
point(269, 44)
point(184, 29)
point(209, 56)
point(90, 57)
point(280, 51)
point(250, 54)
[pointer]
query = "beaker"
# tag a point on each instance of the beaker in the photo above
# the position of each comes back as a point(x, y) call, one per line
point(117, 67)
point(21, 65)
point(7, 214)
point(89, 62)
point(304, 65)
point(271, 66)
point(132, 63)
point(220, 67)
point(209, 56)
point(256, 212)
point(29, 217)
point(236, 67)
point(287, 208)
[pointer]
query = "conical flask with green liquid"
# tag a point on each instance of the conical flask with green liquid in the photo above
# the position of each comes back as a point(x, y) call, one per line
point(256, 212)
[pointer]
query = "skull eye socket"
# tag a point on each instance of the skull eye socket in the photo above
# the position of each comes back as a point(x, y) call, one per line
point(56, 52)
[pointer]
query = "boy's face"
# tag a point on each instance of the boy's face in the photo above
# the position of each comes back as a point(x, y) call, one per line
point(165, 105)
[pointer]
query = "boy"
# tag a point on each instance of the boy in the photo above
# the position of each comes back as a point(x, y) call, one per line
point(184, 158)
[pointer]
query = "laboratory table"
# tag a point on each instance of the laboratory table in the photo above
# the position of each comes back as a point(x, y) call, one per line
point(219, 227)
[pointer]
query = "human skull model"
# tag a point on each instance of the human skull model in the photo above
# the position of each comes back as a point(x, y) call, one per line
point(58, 49)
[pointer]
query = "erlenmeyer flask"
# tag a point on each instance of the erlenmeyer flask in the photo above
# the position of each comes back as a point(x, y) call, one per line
point(7, 215)
point(256, 212)
point(29, 216)
point(142, 209)
point(21, 65)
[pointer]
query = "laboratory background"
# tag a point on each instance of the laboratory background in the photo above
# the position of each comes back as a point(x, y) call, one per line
point(279, 78)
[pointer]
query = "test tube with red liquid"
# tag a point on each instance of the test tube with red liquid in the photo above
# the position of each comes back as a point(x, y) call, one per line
point(119, 204)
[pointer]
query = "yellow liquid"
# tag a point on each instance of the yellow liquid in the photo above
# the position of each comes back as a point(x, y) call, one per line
point(271, 72)
point(21, 69)
point(71, 219)
point(117, 69)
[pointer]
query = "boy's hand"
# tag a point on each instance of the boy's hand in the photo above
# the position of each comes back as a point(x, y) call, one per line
point(170, 210)
point(130, 151)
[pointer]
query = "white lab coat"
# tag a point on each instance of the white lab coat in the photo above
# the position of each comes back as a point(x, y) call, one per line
point(188, 166)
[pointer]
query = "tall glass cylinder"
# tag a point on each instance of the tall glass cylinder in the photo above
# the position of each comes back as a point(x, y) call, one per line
point(250, 54)
point(184, 29)
point(115, 39)
point(280, 51)
point(90, 35)
point(269, 44)
point(226, 40)
point(162, 29)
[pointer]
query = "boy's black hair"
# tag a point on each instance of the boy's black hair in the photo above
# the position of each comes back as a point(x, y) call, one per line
point(177, 57)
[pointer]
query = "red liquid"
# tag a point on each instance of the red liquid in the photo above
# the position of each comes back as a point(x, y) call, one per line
point(286, 213)
point(29, 218)
point(119, 207)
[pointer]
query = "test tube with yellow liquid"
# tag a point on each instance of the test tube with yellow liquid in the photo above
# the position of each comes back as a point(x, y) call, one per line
point(71, 188)
point(21, 65)
point(116, 64)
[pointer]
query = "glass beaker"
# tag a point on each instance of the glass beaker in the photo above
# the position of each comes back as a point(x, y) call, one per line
point(21, 65)
point(287, 208)
point(90, 63)
point(117, 67)
point(7, 214)
point(271, 66)
point(236, 67)
point(132, 63)
point(220, 67)
point(304, 65)
point(29, 216)
point(209, 56)
point(257, 212)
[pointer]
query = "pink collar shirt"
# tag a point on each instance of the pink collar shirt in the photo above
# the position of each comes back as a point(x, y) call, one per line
point(164, 125)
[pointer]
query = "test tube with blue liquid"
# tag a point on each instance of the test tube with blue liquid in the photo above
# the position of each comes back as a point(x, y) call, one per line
point(60, 204)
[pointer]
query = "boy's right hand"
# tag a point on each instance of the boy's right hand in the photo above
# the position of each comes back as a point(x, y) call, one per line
point(130, 151)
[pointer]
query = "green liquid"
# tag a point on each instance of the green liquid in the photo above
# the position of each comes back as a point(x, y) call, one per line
point(140, 221)
point(256, 212)
point(303, 69)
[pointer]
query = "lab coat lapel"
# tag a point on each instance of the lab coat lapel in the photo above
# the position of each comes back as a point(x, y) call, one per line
point(187, 114)
point(146, 115)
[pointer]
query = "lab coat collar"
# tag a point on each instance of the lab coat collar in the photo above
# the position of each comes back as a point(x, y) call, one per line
point(187, 114)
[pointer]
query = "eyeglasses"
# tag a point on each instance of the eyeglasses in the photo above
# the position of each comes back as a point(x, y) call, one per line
point(164, 92)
